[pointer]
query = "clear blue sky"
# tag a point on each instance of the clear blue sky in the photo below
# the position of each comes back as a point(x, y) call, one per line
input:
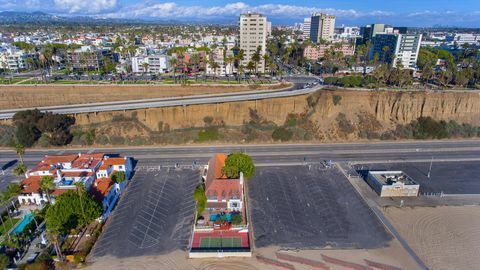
point(351, 12)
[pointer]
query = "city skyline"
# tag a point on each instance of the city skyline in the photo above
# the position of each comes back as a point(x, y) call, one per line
point(348, 12)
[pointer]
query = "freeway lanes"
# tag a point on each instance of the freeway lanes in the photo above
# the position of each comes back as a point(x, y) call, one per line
point(287, 153)
point(168, 102)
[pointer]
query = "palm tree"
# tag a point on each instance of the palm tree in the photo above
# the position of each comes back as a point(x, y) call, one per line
point(230, 59)
point(145, 66)
point(239, 58)
point(256, 58)
point(174, 63)
point(20, 170)
point(251, 66)
point(47, 185)
point(20, 150)
point(215, 66)
point(241, 69)
point(266, 58)
point(80, 188)
point(194, 62)
point(53, 235)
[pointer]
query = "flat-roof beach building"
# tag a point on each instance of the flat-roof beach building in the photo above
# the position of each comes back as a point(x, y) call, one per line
point(392, 184)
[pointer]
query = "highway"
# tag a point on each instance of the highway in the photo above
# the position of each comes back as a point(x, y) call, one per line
point(285, 154)
point(172, 101)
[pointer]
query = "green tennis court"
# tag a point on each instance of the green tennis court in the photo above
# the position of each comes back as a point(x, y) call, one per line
point(221, 242)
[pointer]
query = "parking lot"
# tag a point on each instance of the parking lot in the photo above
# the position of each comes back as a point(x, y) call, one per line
point(155, 216)
point(460, 177)
point(294, 207)
point(6, 173)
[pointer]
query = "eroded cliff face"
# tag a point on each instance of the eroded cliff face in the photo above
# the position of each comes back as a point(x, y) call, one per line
point(385, 108)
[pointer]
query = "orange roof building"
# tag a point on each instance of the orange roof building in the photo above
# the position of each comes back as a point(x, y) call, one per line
point(221, 191)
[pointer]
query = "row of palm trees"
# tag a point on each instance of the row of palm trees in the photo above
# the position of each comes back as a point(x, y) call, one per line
point(232, 59)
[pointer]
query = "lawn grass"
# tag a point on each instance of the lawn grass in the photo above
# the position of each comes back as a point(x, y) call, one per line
point(201, 199)
point(10, 80)
point(8, 225)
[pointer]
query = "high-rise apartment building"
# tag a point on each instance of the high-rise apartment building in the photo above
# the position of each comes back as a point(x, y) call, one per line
point(368, 32)
point(397, 49)
point(306, 27)
point(322, 27)
point(253, 36)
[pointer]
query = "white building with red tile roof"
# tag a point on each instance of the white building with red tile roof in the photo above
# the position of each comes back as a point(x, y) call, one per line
point(66, 170)
point(222, 193)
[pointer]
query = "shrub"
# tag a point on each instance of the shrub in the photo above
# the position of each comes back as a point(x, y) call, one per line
point(208, 120)
point(78, 258)
point(291, 120)
point(237, 219)
point(102, 139)
point(117, 140)
point(199, 196)
point(343, 124)
point(336, 99)
point(118, 177)
point(311, 101)
point(282, 134)
point(208, 134)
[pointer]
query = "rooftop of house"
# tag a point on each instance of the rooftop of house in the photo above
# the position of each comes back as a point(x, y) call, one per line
point(217, 184)
point(31, 184)
point(87, 161)
point(114, 161)
point(52, 160)
point(59, 191)
point(101, 187)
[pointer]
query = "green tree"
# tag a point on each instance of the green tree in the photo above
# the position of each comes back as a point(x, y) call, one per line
point(12, 190)
point(65, 214)
point(20, 170)
point(47, 185)
point(236, 163)
point(4, 261)
point(20, 150)
point(118, 177)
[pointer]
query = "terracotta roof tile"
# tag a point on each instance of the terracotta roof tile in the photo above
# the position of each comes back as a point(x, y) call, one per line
point(52, 160)
point(114, 161)
point(101, 187)
point(31, 184)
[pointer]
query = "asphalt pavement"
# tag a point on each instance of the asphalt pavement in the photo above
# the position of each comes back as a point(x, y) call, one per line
point(310, 207)
point(297, 90)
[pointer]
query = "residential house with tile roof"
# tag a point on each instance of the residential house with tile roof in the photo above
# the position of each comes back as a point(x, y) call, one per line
point(93, 170)
point(222, 193)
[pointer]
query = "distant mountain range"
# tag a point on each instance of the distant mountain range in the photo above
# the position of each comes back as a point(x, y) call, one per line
point(14, 17)
point(38, 17)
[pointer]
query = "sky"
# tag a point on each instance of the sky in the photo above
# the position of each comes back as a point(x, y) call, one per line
point(463, 13)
